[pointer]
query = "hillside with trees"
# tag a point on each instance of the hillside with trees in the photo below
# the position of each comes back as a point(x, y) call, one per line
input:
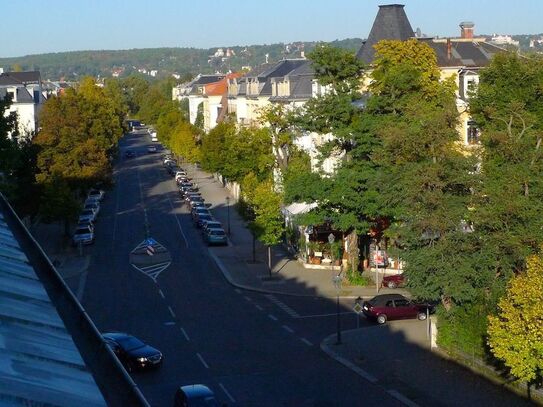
point(166, 61)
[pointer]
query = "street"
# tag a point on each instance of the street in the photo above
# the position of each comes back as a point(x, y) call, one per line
point(251, 349)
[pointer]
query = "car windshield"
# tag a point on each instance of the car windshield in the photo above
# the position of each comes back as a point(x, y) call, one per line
point(213, 225)
point(130, 343)
point(204, 216)
point(87, 212)
point(82, 231)
point(216, 232)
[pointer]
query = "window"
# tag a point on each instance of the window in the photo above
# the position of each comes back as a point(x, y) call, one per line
point(472, 133)
point(401, 303)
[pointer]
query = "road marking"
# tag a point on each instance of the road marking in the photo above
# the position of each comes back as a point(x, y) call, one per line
point(399, 396)
point(288, 329)
point(247, 298)
point(306, 342)
point(258, 307)
point(283, 306)
point(185, 334)
point(169, 323)
point(272, 317)
point(202, 360)
point(161, 294)
point(232, 399)
point(237, 290)
point(178, 223)
point(171, 311)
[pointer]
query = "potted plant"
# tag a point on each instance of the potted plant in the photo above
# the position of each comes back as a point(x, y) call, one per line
point(314, 247)
point(336, 251)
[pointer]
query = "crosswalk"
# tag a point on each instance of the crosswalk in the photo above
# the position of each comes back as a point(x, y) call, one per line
point(283, 306)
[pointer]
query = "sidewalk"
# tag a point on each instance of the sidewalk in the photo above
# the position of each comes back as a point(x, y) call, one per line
point(395, 356)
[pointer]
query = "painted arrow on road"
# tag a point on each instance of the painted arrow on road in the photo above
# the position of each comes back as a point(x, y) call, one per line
point(150, 258)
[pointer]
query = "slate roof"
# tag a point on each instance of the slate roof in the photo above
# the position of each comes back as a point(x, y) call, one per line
point(301, 82)
point(25, 78)
point(23, 95)
point(6, 80)
point(471, 54)
point(391, 23)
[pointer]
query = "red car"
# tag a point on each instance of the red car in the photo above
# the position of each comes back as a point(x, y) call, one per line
point(394, 306)
point(397, 280)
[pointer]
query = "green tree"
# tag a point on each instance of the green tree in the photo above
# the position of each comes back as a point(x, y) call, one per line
point(183, 142)
point(268, 224)
point(515, 334)
point(508, 107)
point(214, 147)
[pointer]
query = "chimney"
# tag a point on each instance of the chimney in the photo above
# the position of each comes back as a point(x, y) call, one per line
point(449, 49)
point(466, 29)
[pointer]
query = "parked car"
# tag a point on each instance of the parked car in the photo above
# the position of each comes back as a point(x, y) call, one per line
point(83, 235)
point(386, 307)
point(197, 205)
point(151, 149)
point(132, 352)
point(94, 205)
point(200, 218)
point(171, 169)
point(199, 210)
point(129, 154)
point(86, 223)
point(192, 195)
point(397, 280)
point(87, 215)
point(211, 224)
point(215, 236)
point(195, 395)
point(168, 161)
point(96, 194)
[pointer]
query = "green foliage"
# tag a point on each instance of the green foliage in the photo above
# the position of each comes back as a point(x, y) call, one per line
point(337, 67)
point(214, 146)
point(464, 329)
point(356, 278)
point(58, 201)
point(183, 142)
point(508, 109)
point(268, 223)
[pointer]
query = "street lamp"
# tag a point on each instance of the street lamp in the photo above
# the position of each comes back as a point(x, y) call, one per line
point(228, 214)
point(337, 284)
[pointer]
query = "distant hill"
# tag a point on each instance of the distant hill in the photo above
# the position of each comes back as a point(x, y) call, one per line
point(165, 61)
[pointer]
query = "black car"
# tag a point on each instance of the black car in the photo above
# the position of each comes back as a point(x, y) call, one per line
point(133, 353)
point(195, 395)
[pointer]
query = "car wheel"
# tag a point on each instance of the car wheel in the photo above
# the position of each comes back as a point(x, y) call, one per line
point(421, 316)
point(392, 284)
point(381, 319)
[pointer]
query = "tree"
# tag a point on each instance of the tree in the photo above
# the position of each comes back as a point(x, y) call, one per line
point(508, 108)
point(214, 147)
point(268, 223)
point(183, 142)
point(515, 334)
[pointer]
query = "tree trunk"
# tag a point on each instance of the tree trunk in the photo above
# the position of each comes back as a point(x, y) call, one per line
point(352, 251)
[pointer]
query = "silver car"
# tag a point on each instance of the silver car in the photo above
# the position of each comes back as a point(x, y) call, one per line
point(94, 205)
point(87, 215)
point(83, 235)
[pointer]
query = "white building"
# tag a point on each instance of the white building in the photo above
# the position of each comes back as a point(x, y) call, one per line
point(26, 94)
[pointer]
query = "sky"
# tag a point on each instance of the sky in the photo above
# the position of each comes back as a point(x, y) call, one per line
point(43, 26)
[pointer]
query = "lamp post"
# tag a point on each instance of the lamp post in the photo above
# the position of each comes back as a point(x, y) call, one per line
point(337, 284)
point(228, 214)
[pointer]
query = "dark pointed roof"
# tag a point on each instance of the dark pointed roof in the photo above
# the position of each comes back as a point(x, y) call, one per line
point(391, 23)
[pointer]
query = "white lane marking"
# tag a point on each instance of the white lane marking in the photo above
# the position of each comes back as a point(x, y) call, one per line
point(171, 311)
point(288, 329)
point(399, 396)
point(169, 323)
point(247, 298)
point(161, 294)
point(185, 334)
point(283, 306)
point(258, 307)
point(202, 360)
point(178, 223)
point(237, 290)
point(232, 399)
point(272, 317)
point(306, 342)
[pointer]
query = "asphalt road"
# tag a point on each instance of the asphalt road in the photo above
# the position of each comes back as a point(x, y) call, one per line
point(250, 349)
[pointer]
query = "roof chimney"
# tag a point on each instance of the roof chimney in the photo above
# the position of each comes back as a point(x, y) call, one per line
point(466, 29)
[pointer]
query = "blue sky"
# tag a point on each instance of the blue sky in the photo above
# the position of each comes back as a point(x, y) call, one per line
point(39, 26)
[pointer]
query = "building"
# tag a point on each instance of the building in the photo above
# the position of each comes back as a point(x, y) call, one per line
point(51, 352)
point(461, 57)
point(26, 93)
